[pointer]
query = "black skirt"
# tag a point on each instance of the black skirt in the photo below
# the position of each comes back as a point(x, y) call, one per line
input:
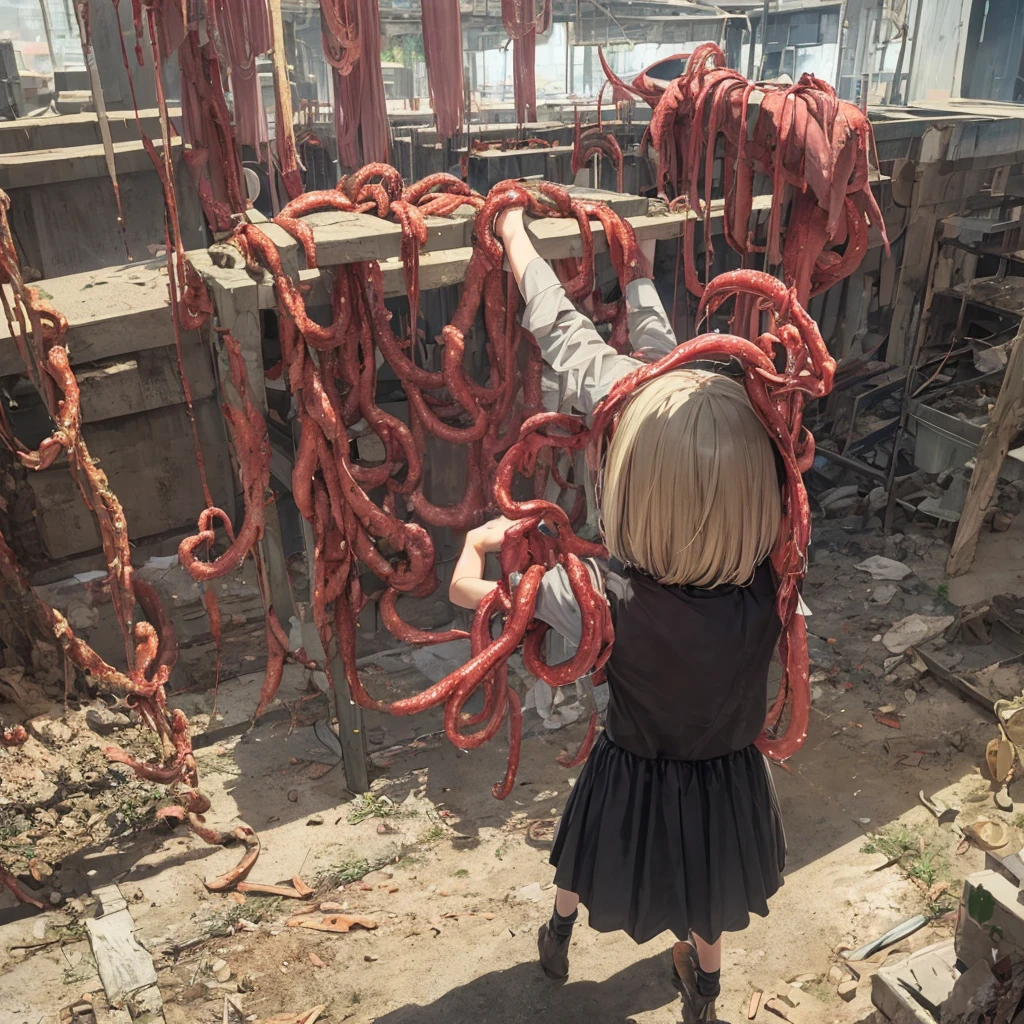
point(650, 845)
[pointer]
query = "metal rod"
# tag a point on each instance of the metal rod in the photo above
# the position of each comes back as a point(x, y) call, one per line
point(855, 464)
point(913, 50)
point(841, 42)
point(764, 38)
point(49, 34)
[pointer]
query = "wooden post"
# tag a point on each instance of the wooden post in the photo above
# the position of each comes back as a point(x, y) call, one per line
point(236, 299)
point(349, 714)
point(1006, 419)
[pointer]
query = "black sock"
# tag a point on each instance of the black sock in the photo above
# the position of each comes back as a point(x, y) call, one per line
point(708, 982)
point(562, 926)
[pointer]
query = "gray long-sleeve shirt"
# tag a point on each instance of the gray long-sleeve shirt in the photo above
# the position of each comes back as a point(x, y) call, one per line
point(585, 368)
point(585, 365)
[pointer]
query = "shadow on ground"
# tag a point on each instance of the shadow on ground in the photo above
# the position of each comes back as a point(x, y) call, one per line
point(522, 993)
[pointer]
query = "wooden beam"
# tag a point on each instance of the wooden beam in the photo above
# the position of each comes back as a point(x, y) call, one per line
point(1006, 420)
point(111, 312)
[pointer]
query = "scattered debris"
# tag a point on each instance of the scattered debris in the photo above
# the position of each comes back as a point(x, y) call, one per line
point(231, 878)
point(754, 1005)
point(942, 811)
point(287, 891)
point(882, 568)
point(333, 922)
point(914, 630)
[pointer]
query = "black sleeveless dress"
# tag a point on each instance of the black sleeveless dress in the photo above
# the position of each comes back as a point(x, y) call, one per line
point(673, 823)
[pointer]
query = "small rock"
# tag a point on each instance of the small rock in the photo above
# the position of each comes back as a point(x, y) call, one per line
point(104, 721)
point(864, 821)
point(835, 974)
point(915, 629)
point(222, 973)
point(837, 495)
point(56, 898)
point(910, 695)
point(847, 990)
point(246, 984)
point(39, 929)
point(370, 958)
point(883, 593)
point(315, 819)
point(881, 568)
point(51, 731)
point(293, 795)
point(878, 498)
point(1001, 522)
point(531, 893)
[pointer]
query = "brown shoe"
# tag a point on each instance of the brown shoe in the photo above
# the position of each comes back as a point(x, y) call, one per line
point(554, 953)
point(696, 1008)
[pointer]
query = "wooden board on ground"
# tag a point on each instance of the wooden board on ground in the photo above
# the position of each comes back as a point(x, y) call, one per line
point(124, 966)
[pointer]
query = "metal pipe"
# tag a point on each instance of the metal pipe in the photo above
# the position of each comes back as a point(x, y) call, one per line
point(913, 50)
point(49, 34)
point(895, 92)
point(856, 465)
point(841, 42)
point(764, 38)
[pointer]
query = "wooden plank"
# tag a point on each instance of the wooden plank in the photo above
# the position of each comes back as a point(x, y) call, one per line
point(557, 238)
point(28, 133)
point(236, 298)
point(123, 965)
point(354, 237)
point(56, 166)
point(509, 154)
point(150, 380)
point(110, 312)
point(150, 461)
point(1006, 419)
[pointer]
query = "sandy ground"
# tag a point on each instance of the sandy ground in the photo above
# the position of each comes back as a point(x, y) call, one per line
point(461, 881)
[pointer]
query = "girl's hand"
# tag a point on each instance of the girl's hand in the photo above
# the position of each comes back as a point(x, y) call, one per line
point(509, 223)
point(468, 586)
point(489, 537)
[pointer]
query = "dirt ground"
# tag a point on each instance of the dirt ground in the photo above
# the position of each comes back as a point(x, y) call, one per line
point(458, 883)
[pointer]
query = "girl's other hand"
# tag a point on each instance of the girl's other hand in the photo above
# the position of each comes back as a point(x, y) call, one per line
point(489, 537)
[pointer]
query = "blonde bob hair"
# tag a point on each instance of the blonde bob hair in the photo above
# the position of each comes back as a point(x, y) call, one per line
point(690, 491)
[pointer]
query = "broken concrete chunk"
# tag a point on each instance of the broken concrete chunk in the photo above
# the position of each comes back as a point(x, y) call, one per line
point(882, 568)
point(883, 593)
point(914, 630)
point(973, 992)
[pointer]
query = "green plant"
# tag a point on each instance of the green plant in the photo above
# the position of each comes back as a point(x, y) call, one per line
point(434, 834)
point(892, 844)
point(255, 909)
point(351, 871)
point(924, 869)
point(462, 873)
point(944, 591)
point(370, 806)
